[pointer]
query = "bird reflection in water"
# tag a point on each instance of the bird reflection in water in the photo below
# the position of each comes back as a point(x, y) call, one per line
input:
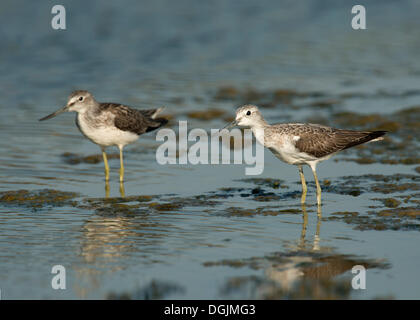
point(105, 241)
point(107, 189)
point(302, 271)
point(111, 238)
point(303, 244)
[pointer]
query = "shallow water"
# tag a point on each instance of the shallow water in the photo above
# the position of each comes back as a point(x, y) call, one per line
point(185, 231)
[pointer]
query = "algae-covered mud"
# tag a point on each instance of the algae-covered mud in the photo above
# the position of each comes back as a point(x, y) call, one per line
point(210, 231)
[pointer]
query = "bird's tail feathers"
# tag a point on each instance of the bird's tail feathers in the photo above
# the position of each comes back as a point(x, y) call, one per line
point(158, 110)
point(157, 123)
point(376, 135)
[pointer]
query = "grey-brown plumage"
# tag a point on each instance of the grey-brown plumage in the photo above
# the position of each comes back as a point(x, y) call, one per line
point(320, 141)
point(110, 124)
point(301, 143)
point(133, 120)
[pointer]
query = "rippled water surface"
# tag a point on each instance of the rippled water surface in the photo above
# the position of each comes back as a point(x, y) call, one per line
point(203, 231)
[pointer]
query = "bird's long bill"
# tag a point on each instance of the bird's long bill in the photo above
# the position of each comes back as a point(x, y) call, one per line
point(230, 125)
point(52, 115)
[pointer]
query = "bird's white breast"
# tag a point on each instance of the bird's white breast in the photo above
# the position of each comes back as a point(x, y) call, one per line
point(259, 135)
point(282, 146)
point(286, 151)
point(106, 134)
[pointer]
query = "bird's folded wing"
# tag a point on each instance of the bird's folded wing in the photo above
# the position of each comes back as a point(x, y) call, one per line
point(136, 121)
point(322, 141)
point(151, 113)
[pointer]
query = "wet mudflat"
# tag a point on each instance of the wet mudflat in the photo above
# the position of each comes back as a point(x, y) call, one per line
point(245, 237)
point(202, 231)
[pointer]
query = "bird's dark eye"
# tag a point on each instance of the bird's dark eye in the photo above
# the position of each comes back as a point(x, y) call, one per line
point(81, 99)
point(248, 113)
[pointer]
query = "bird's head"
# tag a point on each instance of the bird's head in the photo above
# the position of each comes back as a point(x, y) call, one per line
point(78, 101)
point(247, 116)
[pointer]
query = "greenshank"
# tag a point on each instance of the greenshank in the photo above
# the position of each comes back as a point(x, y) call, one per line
point(109, 124)
point(301, 143)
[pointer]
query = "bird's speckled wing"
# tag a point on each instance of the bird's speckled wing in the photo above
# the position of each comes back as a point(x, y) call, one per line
point(133, 120)
point(320, 141)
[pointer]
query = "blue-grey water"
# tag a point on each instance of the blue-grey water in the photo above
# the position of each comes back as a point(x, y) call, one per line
point(178, 54)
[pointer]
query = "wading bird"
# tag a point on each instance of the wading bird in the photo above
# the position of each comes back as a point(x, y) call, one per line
point(109, 124)
point(301, 143)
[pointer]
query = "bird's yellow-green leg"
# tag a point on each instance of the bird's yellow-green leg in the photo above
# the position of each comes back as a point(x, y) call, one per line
point(319, 213)
point(121, 164)
point(106, 165)
point(106, 189)
point(304, 188)
point(318, 187)
point(122, 190)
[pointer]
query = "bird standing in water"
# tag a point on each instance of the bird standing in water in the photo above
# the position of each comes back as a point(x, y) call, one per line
point(301, 143)
point(109, 124)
